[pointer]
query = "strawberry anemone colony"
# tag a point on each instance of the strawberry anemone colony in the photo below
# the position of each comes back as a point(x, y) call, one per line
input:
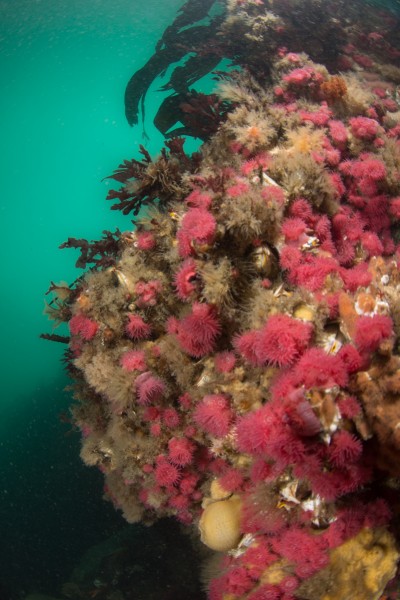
point(235, 355)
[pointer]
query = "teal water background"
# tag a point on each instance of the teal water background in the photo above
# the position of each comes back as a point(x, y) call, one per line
point(64, 65)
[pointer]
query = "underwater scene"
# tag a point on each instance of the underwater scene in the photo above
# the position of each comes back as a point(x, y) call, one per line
point(201, 217)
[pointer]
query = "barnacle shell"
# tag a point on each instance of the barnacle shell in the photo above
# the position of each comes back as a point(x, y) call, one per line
point(263, 260)
point(220, 524)
point(304, 312)
point(123, 280)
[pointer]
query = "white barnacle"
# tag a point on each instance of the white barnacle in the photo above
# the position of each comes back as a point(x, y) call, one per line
point(385, 279)
point(288, 492)
point(204, 379)
point(332, 344)
point(246, 541)
point(311, 243)
point(267, 180)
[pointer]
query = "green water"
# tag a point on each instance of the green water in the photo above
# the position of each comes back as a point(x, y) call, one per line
point(64, 65)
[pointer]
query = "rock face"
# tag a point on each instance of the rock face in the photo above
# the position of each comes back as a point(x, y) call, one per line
point(244, 336)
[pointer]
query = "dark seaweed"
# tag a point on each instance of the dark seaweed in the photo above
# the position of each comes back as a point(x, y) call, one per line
point(52, 337)
point(101, 254)
point(201, 114)
point(148, 181)
point(179, 39)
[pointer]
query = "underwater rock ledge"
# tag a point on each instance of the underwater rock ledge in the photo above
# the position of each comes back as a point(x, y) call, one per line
point(235, 356)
